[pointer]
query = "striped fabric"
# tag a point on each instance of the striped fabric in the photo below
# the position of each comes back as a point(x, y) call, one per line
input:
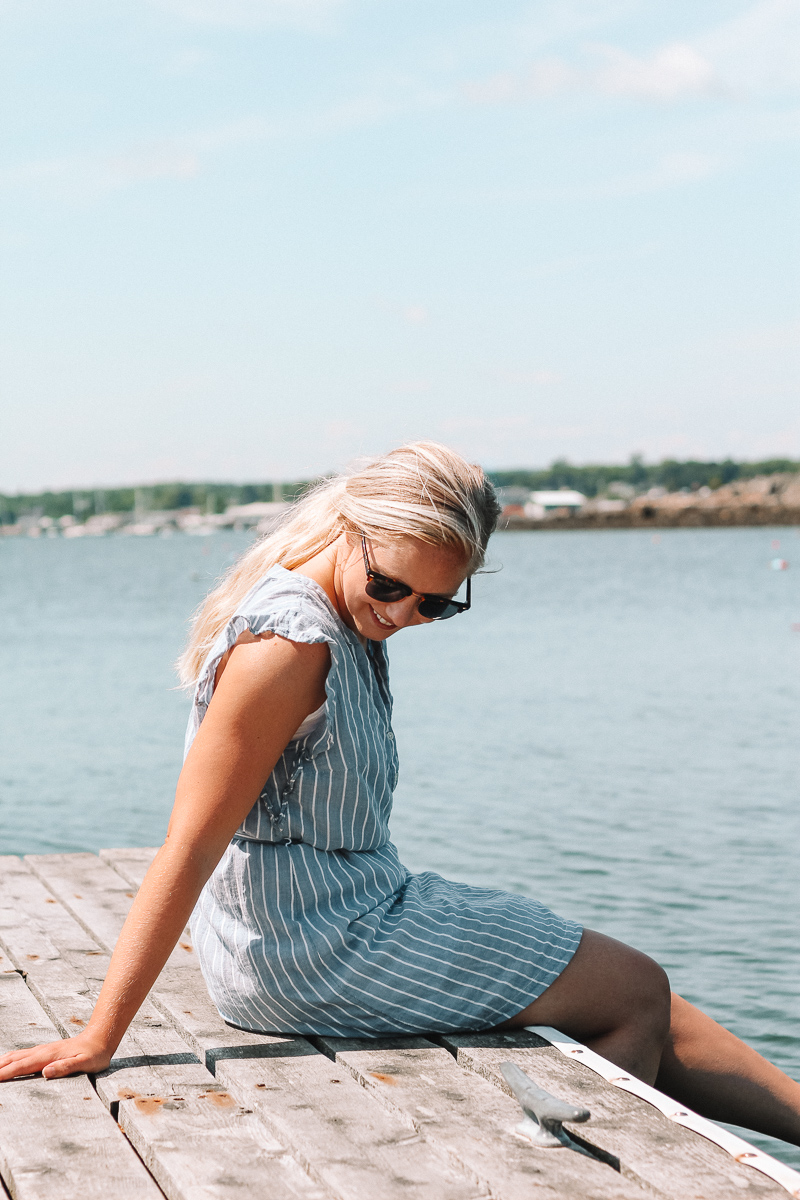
point(310, 923)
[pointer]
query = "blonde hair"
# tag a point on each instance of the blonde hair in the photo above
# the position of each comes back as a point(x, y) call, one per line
point(421, 490)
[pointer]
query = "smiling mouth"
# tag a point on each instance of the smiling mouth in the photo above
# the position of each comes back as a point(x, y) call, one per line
point(380, 619)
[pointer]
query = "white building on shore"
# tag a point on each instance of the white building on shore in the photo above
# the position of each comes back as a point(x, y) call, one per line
point(546, 504)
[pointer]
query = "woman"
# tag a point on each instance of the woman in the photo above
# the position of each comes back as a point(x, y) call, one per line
point(304, 920)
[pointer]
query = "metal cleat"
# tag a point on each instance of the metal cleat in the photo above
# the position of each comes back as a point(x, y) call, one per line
point(543, 1112)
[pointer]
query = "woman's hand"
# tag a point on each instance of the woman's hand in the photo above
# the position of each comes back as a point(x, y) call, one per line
point(72, 1056)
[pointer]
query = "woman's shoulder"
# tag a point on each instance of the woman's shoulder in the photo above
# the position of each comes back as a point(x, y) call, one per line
point(281, 602)
point(290, 605)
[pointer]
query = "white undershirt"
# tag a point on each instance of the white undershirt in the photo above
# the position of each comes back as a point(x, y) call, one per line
point(311, 722)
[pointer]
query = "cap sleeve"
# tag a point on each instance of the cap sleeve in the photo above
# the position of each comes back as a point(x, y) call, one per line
point(282, 602)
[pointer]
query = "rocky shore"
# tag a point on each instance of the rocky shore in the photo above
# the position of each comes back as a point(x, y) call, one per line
point(762, 500)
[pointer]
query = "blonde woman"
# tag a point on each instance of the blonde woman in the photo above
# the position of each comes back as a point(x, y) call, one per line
point(303, 917)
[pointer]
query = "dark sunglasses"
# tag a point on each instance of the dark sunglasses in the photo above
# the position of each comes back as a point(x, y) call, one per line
point(432, 608)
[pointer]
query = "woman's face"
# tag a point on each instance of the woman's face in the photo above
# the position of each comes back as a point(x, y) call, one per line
point(437, 570)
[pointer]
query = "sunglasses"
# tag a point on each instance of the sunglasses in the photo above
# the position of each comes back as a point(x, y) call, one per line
point(432, 608)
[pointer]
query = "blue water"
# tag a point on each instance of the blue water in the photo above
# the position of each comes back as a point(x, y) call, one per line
point(612, 728)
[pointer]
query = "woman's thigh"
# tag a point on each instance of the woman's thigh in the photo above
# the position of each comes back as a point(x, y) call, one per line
point(604, 986)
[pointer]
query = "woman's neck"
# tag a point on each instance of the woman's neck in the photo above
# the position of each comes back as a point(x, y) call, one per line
point(325, 569)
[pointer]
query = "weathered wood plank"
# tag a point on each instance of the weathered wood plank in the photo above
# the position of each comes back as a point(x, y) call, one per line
point(678, 1162)
point(192, 1136)
point(347, 1140)
point(65, 968)
point(204, 1144)
point(57, 1140)
point(340, 1134)
point(97, 896)
point(131, 863)
point(472, 1122)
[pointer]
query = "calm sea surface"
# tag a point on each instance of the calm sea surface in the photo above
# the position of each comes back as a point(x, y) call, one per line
point(612, 728)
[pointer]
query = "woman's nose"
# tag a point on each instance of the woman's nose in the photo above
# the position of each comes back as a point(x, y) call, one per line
point(402, 612)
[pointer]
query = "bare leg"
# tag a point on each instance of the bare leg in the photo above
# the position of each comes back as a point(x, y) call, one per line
point(710, 1070)
point(611, 997)
point(616, 1000)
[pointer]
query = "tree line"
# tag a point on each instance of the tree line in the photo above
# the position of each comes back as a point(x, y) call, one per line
point(82, 502)
point(592, 480)
point(670, 473)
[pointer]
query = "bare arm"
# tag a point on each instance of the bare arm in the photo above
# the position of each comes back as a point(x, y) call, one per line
point(267, 688)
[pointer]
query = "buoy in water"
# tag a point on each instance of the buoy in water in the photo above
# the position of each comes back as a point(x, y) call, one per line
point(779, 564)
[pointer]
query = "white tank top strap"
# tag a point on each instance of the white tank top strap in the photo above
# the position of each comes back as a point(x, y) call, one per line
point(312, 721)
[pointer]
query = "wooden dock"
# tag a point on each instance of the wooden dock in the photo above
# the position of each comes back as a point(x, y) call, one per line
point(191, 1107)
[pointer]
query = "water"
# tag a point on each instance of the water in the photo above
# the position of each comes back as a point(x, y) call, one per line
point(612, 729)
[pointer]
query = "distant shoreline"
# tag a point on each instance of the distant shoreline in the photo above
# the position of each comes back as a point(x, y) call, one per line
point(661, 518)
point(757, 500)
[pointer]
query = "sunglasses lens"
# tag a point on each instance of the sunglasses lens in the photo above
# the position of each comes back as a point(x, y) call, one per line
point(437, 610)
point(384, 592)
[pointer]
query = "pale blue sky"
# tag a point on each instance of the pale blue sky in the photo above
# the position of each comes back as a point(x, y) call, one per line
point(251, 239)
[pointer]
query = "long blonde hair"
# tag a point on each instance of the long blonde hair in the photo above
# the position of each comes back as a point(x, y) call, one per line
point(421, 490)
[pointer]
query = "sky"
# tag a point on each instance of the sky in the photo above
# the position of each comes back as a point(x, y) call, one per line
point(256, 239)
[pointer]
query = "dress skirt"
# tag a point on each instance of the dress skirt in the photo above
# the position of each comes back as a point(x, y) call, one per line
point(349, 944)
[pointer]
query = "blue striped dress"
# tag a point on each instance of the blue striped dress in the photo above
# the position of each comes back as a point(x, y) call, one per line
point(310, 924)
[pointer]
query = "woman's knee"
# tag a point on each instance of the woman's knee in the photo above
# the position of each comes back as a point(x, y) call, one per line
point(637, 987)
point(605, 987)
point(652, 996)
